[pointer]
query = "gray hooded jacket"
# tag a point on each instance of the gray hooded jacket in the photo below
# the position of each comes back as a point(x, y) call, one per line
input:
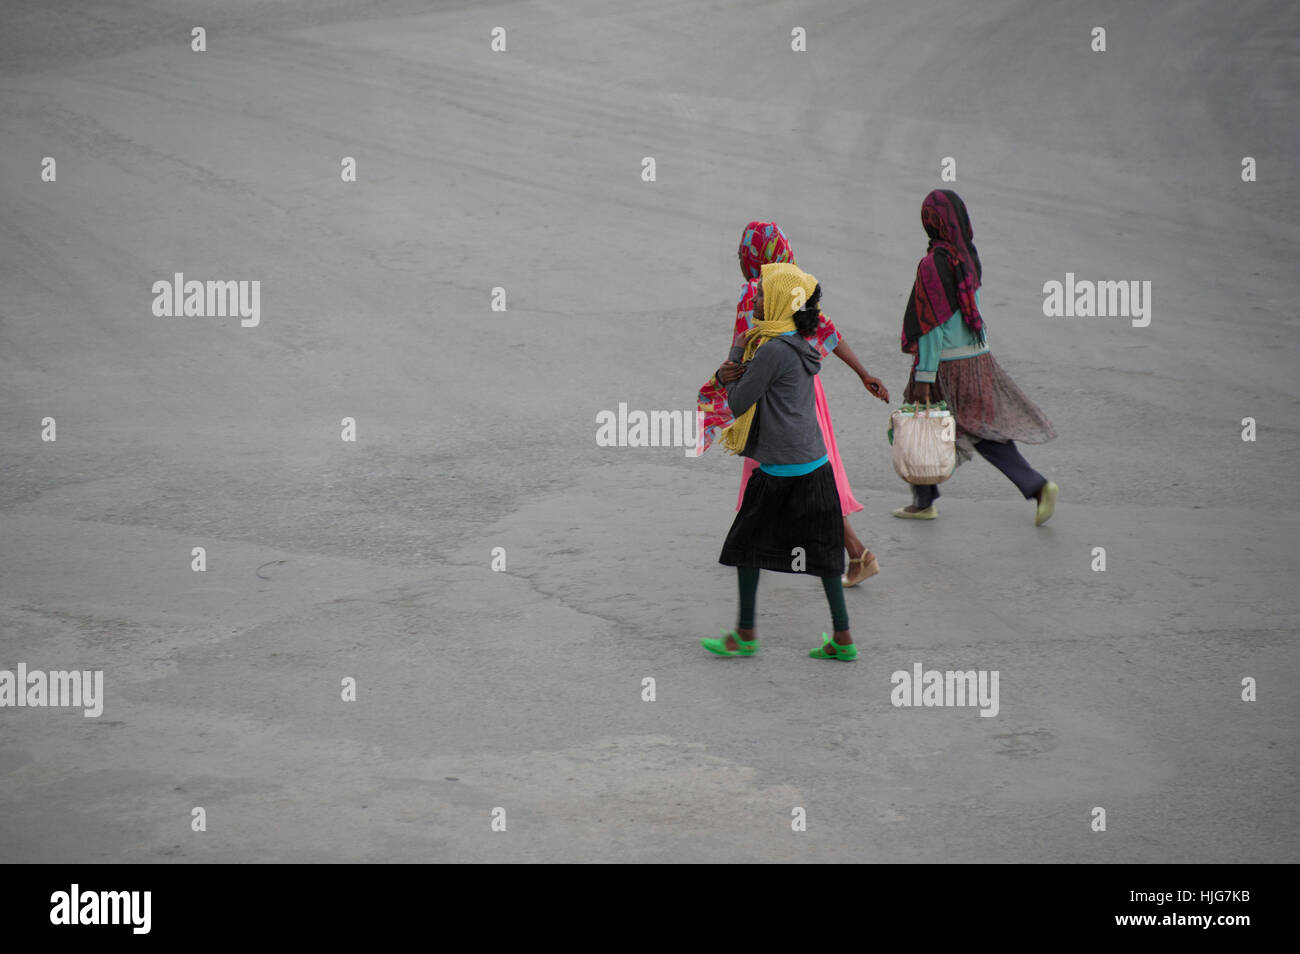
point(779, 382)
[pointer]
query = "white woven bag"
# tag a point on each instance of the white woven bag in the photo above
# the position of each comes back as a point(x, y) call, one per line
point(925, 444)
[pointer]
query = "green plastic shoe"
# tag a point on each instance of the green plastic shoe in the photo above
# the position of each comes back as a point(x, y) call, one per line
point(719, 646)
point(929, 513)
point(1046, 504)
point(846, 653)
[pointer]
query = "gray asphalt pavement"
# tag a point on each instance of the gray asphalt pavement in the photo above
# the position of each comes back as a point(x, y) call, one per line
point(522, 688)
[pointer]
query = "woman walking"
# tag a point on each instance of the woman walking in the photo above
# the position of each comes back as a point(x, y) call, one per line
point(944, 330)
point(789, 518)
point(764, 243)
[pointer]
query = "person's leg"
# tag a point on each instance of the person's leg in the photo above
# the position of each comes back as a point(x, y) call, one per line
point(851, 542)
point(862, 562)
point(747, 578)
point(1008, 459)
point(839, 609)
point(840, 645)
point(923, 497)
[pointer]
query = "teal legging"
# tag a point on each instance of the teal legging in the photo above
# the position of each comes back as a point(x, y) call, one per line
point(747, 576)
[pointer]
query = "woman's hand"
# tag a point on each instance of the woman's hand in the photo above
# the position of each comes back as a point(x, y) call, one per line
point(876, 387)
point(730, 371)
point(872, 384)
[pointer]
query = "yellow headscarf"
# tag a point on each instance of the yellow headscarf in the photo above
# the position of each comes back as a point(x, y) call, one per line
point(785, 289)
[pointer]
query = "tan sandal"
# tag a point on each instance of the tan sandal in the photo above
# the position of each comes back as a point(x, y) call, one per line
point(869, 569)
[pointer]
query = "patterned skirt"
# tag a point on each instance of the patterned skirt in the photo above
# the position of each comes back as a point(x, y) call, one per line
point(986, 403)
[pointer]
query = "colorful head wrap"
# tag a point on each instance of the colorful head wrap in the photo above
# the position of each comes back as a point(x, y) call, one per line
point(760, 244)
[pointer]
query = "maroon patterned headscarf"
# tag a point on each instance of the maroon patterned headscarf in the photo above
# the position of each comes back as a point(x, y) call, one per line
point(947, 277)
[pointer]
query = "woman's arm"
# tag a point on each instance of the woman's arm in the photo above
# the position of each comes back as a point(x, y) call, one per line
point(758, 375)
point(927, 365)
point(927, 354)
point(872, 384)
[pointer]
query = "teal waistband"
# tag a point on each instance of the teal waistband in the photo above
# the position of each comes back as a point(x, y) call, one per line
point(793, 470)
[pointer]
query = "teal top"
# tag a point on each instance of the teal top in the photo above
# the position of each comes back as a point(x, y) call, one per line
point(793, 470)
point(950, 341)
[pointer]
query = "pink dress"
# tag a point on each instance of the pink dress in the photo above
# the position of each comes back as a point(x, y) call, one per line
point(717, 415)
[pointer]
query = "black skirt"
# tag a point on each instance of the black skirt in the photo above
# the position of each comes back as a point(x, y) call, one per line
point(780, 514)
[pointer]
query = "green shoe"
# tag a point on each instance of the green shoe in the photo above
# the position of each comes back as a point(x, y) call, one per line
point(847, 653)
point(719, 646)
point(1046, 503)
point(929, 513)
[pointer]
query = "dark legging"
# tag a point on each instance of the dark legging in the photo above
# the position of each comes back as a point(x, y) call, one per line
point(1006, 458)
point(747, 576)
